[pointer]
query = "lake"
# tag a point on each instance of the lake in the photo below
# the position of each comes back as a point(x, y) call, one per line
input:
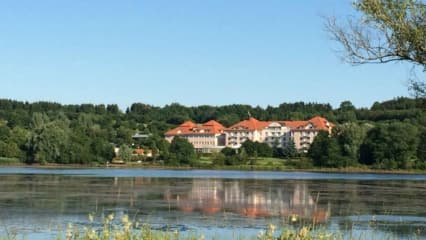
point(35, 203)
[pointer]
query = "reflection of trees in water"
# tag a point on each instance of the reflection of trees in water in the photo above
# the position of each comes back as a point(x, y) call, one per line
point(251, 199)
point(58, 194)
point(398, 228)
point(42, 195)
point(365, 197)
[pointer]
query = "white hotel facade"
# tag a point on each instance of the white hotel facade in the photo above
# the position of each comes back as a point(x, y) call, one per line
point(274, 133)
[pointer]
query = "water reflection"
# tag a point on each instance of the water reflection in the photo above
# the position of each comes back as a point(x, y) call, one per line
point(212, 196)
point(31, 203)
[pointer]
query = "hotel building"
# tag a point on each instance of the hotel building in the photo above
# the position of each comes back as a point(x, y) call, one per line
point(206, 138)
point(212, 136)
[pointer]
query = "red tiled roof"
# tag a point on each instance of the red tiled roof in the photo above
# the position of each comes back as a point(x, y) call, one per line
point(295, 124)
point(251, 124)
point(213, 123)
point(187, 124)
point(140, 151)
point(190, 128)
point(320, 123)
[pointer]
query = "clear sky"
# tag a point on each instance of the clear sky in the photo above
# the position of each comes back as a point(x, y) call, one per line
point(194, 52)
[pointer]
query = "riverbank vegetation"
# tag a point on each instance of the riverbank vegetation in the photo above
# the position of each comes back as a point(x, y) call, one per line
point(388, 135)
point(128, 229)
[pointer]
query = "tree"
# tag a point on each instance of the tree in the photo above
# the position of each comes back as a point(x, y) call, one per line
point(346, 112)
point(390, 146)
point(9, 150)
point(228, 119)
point(257, 149)
point(289, 150)
point(218, 158)
point(4, 133)
point(421, 150)
point(181, 151)
point(350, 136)
point(125, 153)
point(227, 151)
point(49, 139)
point(324, 151)
point(264, 150)
point(278, 152)
point(249, 147)
point(387, 31)
point(102, 150)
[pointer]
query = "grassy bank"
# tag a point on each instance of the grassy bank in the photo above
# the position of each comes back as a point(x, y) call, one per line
point(10, 161)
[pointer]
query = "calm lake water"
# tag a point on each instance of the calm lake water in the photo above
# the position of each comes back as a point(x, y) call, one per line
point(35, 203)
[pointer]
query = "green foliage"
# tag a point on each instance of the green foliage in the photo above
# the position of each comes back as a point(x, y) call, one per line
point(53, 133)
point(385, 31)
point(181, 152)
point(325, 151)
point(229, 119)
point(302, 163)
point(346, 112)
point(390, 146)
point(256, 149)
point(218, 159)
point(5, 160)
point(102, 150)
point(232, 158)
point(49, 139)
point(350, 137)
point(289, 150)
point(126, 228)
point(9, 150)
point(227, 151)
point(125, 153)
point(421, 149)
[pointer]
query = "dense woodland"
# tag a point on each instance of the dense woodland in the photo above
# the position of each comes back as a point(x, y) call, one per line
point(389, 135)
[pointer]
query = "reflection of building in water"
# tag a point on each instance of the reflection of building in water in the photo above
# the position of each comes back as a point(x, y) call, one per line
point(204, 196)
point(213, 196)
point(249, 198)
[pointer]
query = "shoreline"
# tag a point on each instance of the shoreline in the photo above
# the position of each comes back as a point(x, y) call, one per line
point(351, 170)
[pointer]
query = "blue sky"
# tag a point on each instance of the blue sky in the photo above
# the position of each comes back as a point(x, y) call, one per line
point(194, 52)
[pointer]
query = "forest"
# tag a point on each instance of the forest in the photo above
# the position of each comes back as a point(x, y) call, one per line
point(388, 135)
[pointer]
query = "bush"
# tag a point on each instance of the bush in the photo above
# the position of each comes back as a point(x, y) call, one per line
point(4, 160)
point(303, 163)
point(218, 159)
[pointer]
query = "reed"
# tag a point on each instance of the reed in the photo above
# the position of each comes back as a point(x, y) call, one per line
point(127, 229)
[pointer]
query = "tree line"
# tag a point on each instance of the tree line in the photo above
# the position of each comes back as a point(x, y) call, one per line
point(47, 132)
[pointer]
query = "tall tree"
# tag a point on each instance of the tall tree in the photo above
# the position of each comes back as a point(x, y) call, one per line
point(386, 31)
point(49, 139)
point(125, 153)
point(391, 145)
point(421, 149)
point(289, 150)
point(325, 152)
point(350, 136)
point(181, 151)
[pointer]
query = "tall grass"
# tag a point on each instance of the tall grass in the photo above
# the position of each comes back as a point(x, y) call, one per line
point(126, 229)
